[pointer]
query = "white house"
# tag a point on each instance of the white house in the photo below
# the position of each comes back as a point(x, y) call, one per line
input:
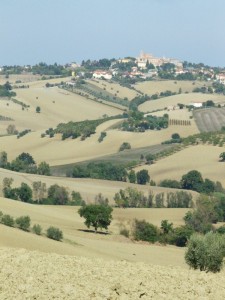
point(98, 74)
point(196, 104)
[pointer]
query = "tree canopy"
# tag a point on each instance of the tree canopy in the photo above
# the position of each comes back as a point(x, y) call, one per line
point(97, 216)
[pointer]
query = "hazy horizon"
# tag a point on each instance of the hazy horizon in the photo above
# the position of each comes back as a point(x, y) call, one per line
point(70, 31)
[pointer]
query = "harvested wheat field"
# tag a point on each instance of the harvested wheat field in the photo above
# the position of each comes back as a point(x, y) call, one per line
point(121, 91)
point(75, 150)
point(34, 275)
point(24, 78)
point(78, 241)
point(57, 106)
point(185, 99)
point(155, 87)
point(204, 158)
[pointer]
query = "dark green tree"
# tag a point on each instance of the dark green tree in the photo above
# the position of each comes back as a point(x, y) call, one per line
point(25, 192)
point(192, 181)
point(26, 158)
point(97, 216)
point(132, 176)
point(143, 177)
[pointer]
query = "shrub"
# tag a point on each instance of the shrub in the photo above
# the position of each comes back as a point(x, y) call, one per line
point(54, 233)
point(180, 236)
point(7, 220)
point(125, 146)
point(37, 229)
point(170, 183)
point(102, 136)
point(23, 223)
point(205, 252)
point(144, 231)
point(125, 232)
point(221, 230)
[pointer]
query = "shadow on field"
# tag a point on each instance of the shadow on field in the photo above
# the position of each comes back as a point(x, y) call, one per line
point(92, 231)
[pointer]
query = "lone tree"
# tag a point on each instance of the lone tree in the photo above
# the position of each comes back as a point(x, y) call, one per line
point(97, 216)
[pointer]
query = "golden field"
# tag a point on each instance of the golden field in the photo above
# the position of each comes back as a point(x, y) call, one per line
point(204, 158)
point(57, 106)
point(185, 99)
point(115, 88)
point(156, 87)
point(75, 150)
point(86, 265)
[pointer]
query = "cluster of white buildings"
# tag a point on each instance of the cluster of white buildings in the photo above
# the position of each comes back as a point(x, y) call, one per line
point(221, 78)
point(145, 58)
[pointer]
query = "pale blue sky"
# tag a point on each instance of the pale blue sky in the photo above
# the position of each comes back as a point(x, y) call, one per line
point(63, 31)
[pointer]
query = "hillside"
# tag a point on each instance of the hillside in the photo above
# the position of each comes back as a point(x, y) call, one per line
point(75, 150)
point(154, 87)
point(204, 158)
point(88, 188)
point(57, 106)
point(78, 241)
point(185, 99)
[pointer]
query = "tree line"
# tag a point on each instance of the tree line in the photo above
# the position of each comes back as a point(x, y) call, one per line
point(24, 163)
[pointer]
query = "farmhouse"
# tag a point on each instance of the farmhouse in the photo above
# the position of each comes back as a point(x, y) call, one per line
point(102, 74)
point(196, 104)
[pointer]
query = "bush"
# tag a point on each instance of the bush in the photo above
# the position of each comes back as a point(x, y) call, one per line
point(7, 220)
point(180, 236)
point(125, 232)
point(125, 146)
point(54, 233)
point(23, 223)
point(144, 231)
point(37, 229)
point(221, 230)
point(206, 252)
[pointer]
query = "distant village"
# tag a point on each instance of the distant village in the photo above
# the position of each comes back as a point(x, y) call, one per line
point(144, 67)
point(147, 66)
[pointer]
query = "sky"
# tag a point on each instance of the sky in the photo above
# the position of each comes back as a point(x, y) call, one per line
point(63, 31)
